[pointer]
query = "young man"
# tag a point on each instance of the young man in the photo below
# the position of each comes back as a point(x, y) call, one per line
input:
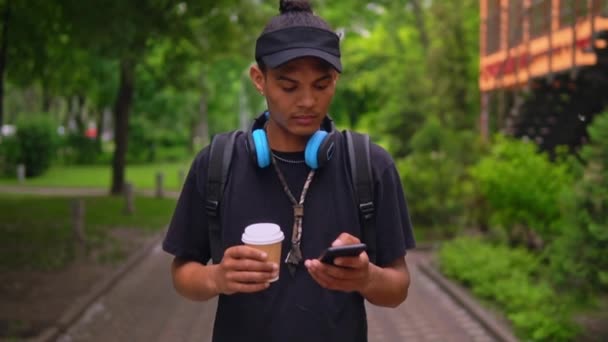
point(298, 63)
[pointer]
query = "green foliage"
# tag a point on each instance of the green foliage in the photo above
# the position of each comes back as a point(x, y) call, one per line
point(578, 257)
point(150, 143)
point(79, 149)
point(454, 61)
point(522, 188)
point(434, 176)
point(142, 145)
point(432, 190)
point(34, 145)
point(10, 154)
point(397, 72)
point(510, 278)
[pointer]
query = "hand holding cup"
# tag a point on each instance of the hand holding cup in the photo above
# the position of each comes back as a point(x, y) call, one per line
point(253, 266)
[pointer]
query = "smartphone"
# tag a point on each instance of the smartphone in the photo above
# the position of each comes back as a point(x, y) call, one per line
point(331, 253)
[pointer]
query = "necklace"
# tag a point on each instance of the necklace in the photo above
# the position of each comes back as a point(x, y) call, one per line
point(294, 257)
point(288, 161)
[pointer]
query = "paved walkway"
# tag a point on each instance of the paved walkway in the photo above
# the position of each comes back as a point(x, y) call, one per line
point(144, 307)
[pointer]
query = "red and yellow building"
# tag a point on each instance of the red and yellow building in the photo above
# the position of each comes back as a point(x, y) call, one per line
point(543, 67)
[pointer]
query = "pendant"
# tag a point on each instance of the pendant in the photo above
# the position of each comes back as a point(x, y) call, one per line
point(294, 257)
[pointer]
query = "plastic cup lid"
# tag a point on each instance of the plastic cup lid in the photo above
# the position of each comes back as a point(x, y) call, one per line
point(262, 234)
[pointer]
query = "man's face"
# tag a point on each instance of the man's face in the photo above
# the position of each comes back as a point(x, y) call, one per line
point(298, 93)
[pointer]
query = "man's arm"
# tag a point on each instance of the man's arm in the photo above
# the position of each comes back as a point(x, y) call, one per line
point(194, 280)
point(384, 286)
point(243, 269)
point(387, 286)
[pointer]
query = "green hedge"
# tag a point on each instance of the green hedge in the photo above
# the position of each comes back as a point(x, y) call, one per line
point(34, 145)
point(579, 257)
point(435, 180)
point(512, 279)
point(522, 188)
point(79, 149)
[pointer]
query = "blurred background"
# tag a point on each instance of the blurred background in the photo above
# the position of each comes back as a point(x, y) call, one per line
point(495, 112)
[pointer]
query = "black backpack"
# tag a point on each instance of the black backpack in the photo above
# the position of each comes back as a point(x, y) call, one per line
point(220, 158)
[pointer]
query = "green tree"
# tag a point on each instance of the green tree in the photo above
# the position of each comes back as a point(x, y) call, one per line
point(124, 31)
point(5, 12)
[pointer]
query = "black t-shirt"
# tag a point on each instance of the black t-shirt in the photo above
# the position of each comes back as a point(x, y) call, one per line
point(292, 308)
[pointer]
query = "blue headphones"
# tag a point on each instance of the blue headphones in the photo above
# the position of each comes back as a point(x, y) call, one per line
point(319, 148)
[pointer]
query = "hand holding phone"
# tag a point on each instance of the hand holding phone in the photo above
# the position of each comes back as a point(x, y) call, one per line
point(352, 250)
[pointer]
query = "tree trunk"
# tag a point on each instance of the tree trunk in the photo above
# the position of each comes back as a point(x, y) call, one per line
point(46, 98)
point(421, 24)
point(78, 114)
point(3, 52)
point(122, 107)
point(202, 130)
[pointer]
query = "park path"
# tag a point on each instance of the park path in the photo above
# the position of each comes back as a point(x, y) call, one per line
point(71, 192)
point(143, 306)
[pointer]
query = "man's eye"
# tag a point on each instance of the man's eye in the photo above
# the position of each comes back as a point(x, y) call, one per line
point(322, 86)
point(289, 89)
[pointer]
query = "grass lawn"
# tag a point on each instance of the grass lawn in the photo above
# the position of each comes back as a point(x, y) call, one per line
point(36, 233)
point(99, 176)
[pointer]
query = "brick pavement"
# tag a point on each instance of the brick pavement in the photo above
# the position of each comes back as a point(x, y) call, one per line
point(144, 307)
point(428, 314)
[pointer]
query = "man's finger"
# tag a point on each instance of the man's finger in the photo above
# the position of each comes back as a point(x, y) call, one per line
point(338, 273)
point(345, 239)
point(246, 252)
point(248, 288)
point(251, 265)
point(250, 277)
point(353, 262)
point(331, 283)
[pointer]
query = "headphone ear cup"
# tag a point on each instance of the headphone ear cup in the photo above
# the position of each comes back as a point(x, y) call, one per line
point(260, 148)
point(326, 149)
point(312, 149)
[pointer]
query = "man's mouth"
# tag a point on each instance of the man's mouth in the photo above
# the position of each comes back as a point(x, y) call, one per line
point(305, 119)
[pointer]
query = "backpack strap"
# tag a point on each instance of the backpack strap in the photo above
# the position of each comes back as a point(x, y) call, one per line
point(358, 148)
point(220, 157)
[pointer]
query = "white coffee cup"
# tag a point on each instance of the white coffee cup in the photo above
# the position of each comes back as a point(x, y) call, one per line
point(266, 237)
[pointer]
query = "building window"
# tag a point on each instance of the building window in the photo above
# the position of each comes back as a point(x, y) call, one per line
point(516, 8)
point(493, 27)
point(540, 17)
point(566, 12)
point(571, 9)
point(600, 7)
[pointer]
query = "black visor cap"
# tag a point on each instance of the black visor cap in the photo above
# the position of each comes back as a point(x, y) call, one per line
point(279, 47)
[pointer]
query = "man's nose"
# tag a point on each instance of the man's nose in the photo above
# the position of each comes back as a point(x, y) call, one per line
point(307, 98)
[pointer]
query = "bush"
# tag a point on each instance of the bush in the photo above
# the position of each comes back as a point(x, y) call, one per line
point(33, 145)
point(79, 149)
point(432, 186)
point(10, 156)
point(142, 143)
point(578, 257)
point(510, 278)
point(434, 177)
point(149, 143)
point(522, 188)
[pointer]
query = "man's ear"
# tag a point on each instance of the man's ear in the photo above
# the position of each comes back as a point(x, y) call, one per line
point(257, 77)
